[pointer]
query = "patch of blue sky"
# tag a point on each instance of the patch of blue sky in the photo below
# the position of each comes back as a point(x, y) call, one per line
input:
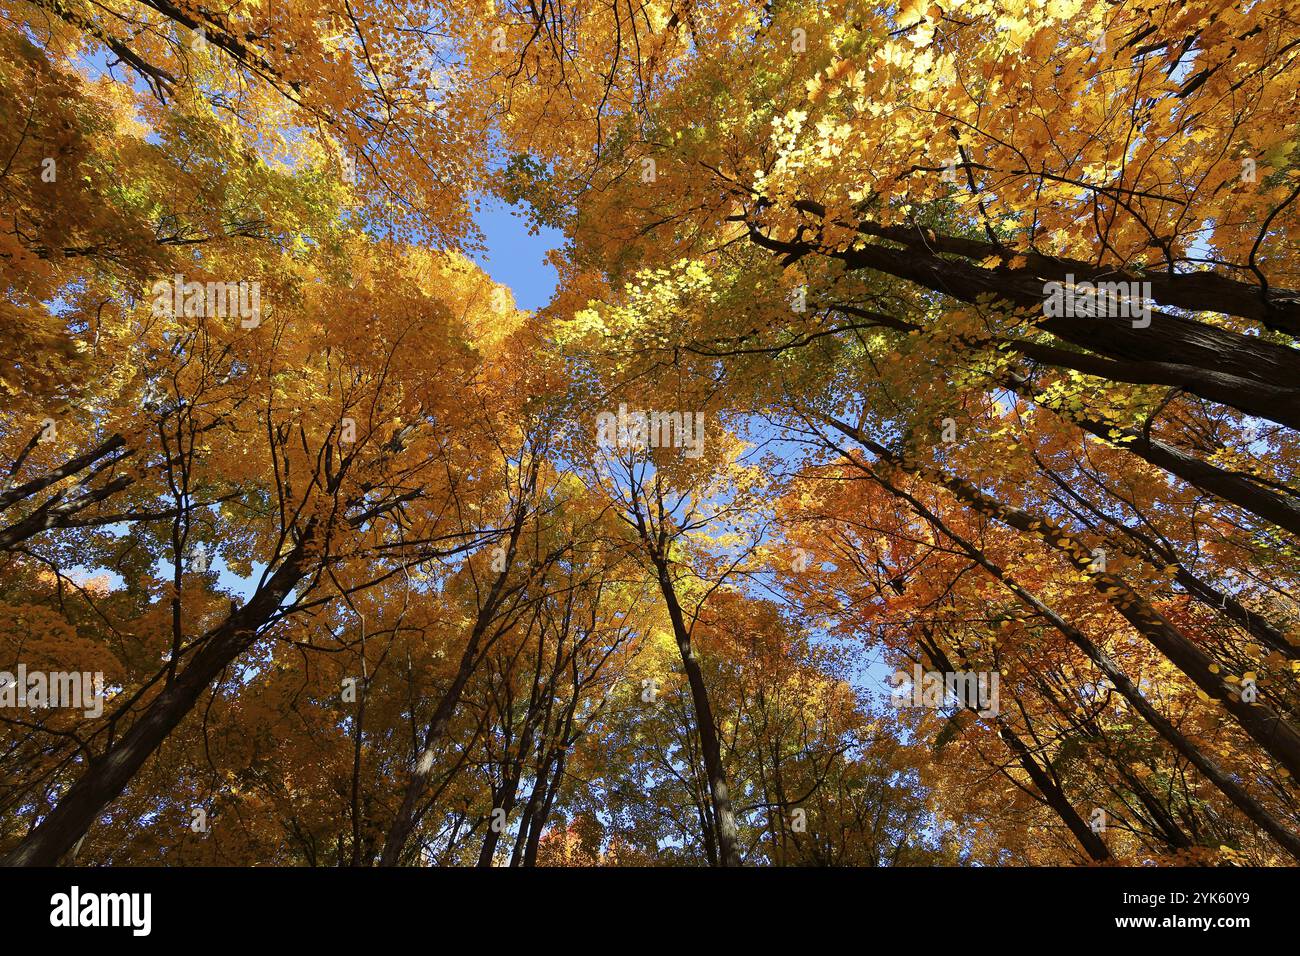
point(512, 256)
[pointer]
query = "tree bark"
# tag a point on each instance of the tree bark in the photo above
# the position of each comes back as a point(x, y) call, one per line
point(1046, 785)
point(724, 819)
point(1244, 372)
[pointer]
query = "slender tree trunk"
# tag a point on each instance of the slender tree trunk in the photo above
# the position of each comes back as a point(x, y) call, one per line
point(1054, 795)
point(1271, 505)
point(531, 806)
point(1268, 728)
point(1046, 785)
point(404, 823)
point(408, 814)
point(724, 820)
point(1170, 831)
point(1163, 557)
point(540, 819)
point(1278, 509)
point(505, 800)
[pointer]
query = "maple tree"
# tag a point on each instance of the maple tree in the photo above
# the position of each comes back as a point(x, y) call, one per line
point(959, 338)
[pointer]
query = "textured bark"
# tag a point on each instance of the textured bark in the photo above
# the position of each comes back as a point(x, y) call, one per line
point(1055, 796)
point(1244, 372)
point(67, 469)
point(1278, 309)
point(1043, 781)
point(724, 820)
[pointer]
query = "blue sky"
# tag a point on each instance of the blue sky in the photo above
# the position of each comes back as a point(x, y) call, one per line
point(513, 257)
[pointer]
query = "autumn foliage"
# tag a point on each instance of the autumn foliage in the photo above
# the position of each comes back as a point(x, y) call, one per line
point(965, 333)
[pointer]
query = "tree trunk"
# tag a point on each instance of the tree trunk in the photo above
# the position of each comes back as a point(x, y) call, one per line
point(1244, 372)
point(724, 819)
point(1268, 728)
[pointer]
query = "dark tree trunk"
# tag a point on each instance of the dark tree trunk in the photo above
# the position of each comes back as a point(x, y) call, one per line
point(1268, 728)
point(1244, 372)
point(724, 820)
